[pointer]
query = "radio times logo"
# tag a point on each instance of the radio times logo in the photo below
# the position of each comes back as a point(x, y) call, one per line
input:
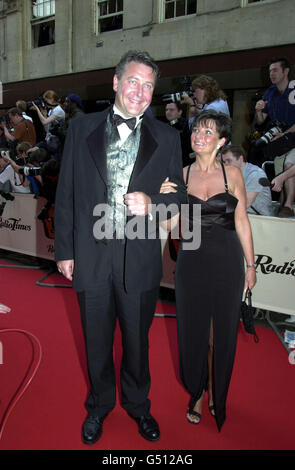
point(265, 265)
point(14, 224)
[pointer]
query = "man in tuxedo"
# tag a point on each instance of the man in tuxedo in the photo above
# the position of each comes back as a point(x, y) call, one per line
point(119, 158)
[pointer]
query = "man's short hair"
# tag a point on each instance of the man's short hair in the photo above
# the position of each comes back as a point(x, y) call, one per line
point(23, 147)
point(15, 111)
point(285, 63)
point(140, 58)
point(236, 150)
point(180, 106)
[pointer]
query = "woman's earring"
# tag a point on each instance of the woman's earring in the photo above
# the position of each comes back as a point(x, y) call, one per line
point(218, 146)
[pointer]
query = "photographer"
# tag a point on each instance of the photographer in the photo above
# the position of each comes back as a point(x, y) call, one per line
point(9, 172)
point(23, 129)
point(276, 106)
point(51, 117)
point(174, 115)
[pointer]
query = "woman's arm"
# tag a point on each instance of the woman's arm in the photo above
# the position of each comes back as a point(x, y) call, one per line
point(243, 227)
point(45, 120)
point(169, 187)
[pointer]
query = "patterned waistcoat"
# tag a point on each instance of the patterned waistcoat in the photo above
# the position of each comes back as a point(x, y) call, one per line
point(120, 163)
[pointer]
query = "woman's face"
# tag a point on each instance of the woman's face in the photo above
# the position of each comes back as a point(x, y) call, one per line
point(50, 101)
point(200, 95)
point(205, 138)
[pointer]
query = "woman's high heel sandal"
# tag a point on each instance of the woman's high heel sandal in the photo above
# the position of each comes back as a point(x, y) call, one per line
point(194, 417)
point(212, 410)
point(191, 414)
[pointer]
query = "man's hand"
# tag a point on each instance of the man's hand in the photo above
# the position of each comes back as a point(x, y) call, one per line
point(277, 136)
point(66, 268)
point(138, 203)
point(260, 105)
point(278, 183)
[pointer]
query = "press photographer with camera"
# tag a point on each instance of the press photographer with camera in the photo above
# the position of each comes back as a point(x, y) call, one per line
point(51, 116)
point(9, 173)
point(276, 108)
point(23, 129)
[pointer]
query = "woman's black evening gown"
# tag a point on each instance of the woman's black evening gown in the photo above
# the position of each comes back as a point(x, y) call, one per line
point(209, 284)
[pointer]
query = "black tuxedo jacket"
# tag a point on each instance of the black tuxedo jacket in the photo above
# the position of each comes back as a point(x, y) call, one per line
point(82, 185)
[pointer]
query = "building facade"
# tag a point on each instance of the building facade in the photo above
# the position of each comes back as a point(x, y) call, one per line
point(73, 46)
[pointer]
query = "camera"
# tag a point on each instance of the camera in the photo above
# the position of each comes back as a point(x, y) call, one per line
point(4, 153)
point(30, 171)
point(38, 102)
point(21, 161)
point(178, 96)
point(276, 128)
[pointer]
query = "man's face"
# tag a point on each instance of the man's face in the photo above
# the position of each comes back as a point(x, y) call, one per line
point(229, 159)
point(68, 105)
point(134, 90)
point(276, 73)
point(172, 112)
point(14, 119)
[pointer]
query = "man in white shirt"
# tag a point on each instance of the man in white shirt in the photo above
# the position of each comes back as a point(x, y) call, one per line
point(7, 173)
point(259, 199)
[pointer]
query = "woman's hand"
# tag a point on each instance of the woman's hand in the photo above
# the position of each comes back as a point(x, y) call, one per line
point(168, 187)
point(250, 279)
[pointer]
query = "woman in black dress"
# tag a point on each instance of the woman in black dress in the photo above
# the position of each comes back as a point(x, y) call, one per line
point(209, 281)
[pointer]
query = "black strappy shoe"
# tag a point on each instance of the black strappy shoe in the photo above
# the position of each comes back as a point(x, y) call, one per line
point(191, 411)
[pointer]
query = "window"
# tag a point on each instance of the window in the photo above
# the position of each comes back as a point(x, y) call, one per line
point(245, 3)
point(176, 8)
point(43, 22)
point(110, 15)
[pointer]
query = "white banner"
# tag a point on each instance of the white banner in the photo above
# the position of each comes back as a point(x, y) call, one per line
point(21, 231)
point(274, 247)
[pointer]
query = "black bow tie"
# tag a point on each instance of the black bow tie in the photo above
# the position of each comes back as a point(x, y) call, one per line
point(117, 120)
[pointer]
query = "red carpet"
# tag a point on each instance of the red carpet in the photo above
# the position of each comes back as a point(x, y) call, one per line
point(260, 413)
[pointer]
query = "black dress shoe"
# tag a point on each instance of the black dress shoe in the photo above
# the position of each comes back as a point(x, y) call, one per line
point(148, 427)
point(92, 429)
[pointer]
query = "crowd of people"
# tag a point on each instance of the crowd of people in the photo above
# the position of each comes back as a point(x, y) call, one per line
point(274, 113)
point(134, 162)
point(32, 145)
point(38, 138)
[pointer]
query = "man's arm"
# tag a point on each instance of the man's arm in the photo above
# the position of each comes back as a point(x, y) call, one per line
point(260, 116)
point(64, 210)
point(140, 203)
point(8, 135)
point(251, 198)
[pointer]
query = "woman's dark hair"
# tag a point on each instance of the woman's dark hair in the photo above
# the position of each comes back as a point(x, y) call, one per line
point(222, 122)
point(140, 58)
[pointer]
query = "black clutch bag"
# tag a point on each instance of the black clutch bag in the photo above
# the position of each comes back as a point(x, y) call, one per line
point(247, 312)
